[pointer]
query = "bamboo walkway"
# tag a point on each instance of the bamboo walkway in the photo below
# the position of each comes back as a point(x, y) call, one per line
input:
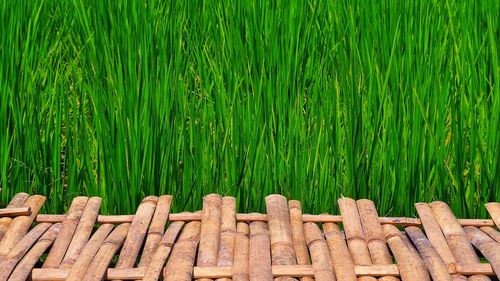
point(216, 243)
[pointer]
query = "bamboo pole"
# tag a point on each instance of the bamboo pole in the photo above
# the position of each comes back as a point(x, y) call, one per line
point(241, 244)
point(210, 231)
point(82, 232)
point(434, 233)
point(408, 268)
point(493, 233)
point(102, 259)
point(320, 254)
point(81, 264)
point(259, 252)
point(117, 219)
point(494, 210)
point(17, 201)
point(280, 232)
point(156, 229)
point(7, 263)
point(478, 278)
point(486, 245)
point(342, 260)
point(20, 225)
point(14, 212)
point(45, 274)
point(459, 244)
point(155, 267)
point(372, 231)
point(228, 232)
point(64, 237)
point(436, 266)
point(180, 265)
point(351, 221)
point(23, 269)
point(137, 233)
point(299, 240)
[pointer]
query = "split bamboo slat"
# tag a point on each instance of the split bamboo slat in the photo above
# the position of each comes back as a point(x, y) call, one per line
point(82, 232)
point(280, 232)
point(20, 225)
point(137, 233)
point(299, 240)
point(342, 260)
point(64, 237)
point(210, 231)
point(227, 233)
point(259, 257)
point(320, 254)
point(156, 229)
point(16, 202)
point(155, 267)
point(372, 230)
point(217, 243)
point(241, 254)
point(180, 264)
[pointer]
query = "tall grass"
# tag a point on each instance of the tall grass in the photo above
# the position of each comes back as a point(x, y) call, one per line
point(397, 101)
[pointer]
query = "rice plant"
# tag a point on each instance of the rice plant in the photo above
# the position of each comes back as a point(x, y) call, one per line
point(396, 101)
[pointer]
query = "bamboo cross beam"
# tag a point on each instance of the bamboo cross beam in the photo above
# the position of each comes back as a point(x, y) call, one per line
point(214, 272)
point(12, 212)
point(117, 219)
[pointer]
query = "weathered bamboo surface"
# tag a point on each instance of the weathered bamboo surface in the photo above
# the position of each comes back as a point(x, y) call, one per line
point(217, 243)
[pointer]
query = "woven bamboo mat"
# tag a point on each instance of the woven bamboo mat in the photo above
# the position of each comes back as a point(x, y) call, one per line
point(216, 243)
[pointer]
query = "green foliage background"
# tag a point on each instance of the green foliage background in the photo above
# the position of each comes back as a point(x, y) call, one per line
point(397, 101)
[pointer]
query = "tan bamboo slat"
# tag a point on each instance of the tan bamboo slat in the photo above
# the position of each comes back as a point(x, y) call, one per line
point(353, 229)
point(227, 233)
point(17, 201)
point(455, 236)
point(493, 233)
point(299, 240)
point(479, 278)
point(97, 268)
point(14, 212)
point(342, 261)
point(156, 229)
point(320, 254)
point(372, 231)
point(241, 254)
point(180, 265)
point(259, 252)
point(494, 210)
point(79, 267)
point(64, 236)
point(486, 245)
point(20, 225)
point(8, 262)
point(24, 267)
point(155, 267)
point(436, 266)
point(434, 233)
point(83, 231)
point(405, 257)
point(138, 228)
point(280, 232)
point(210, 231)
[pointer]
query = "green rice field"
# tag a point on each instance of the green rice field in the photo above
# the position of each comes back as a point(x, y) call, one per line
point(396, 101)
